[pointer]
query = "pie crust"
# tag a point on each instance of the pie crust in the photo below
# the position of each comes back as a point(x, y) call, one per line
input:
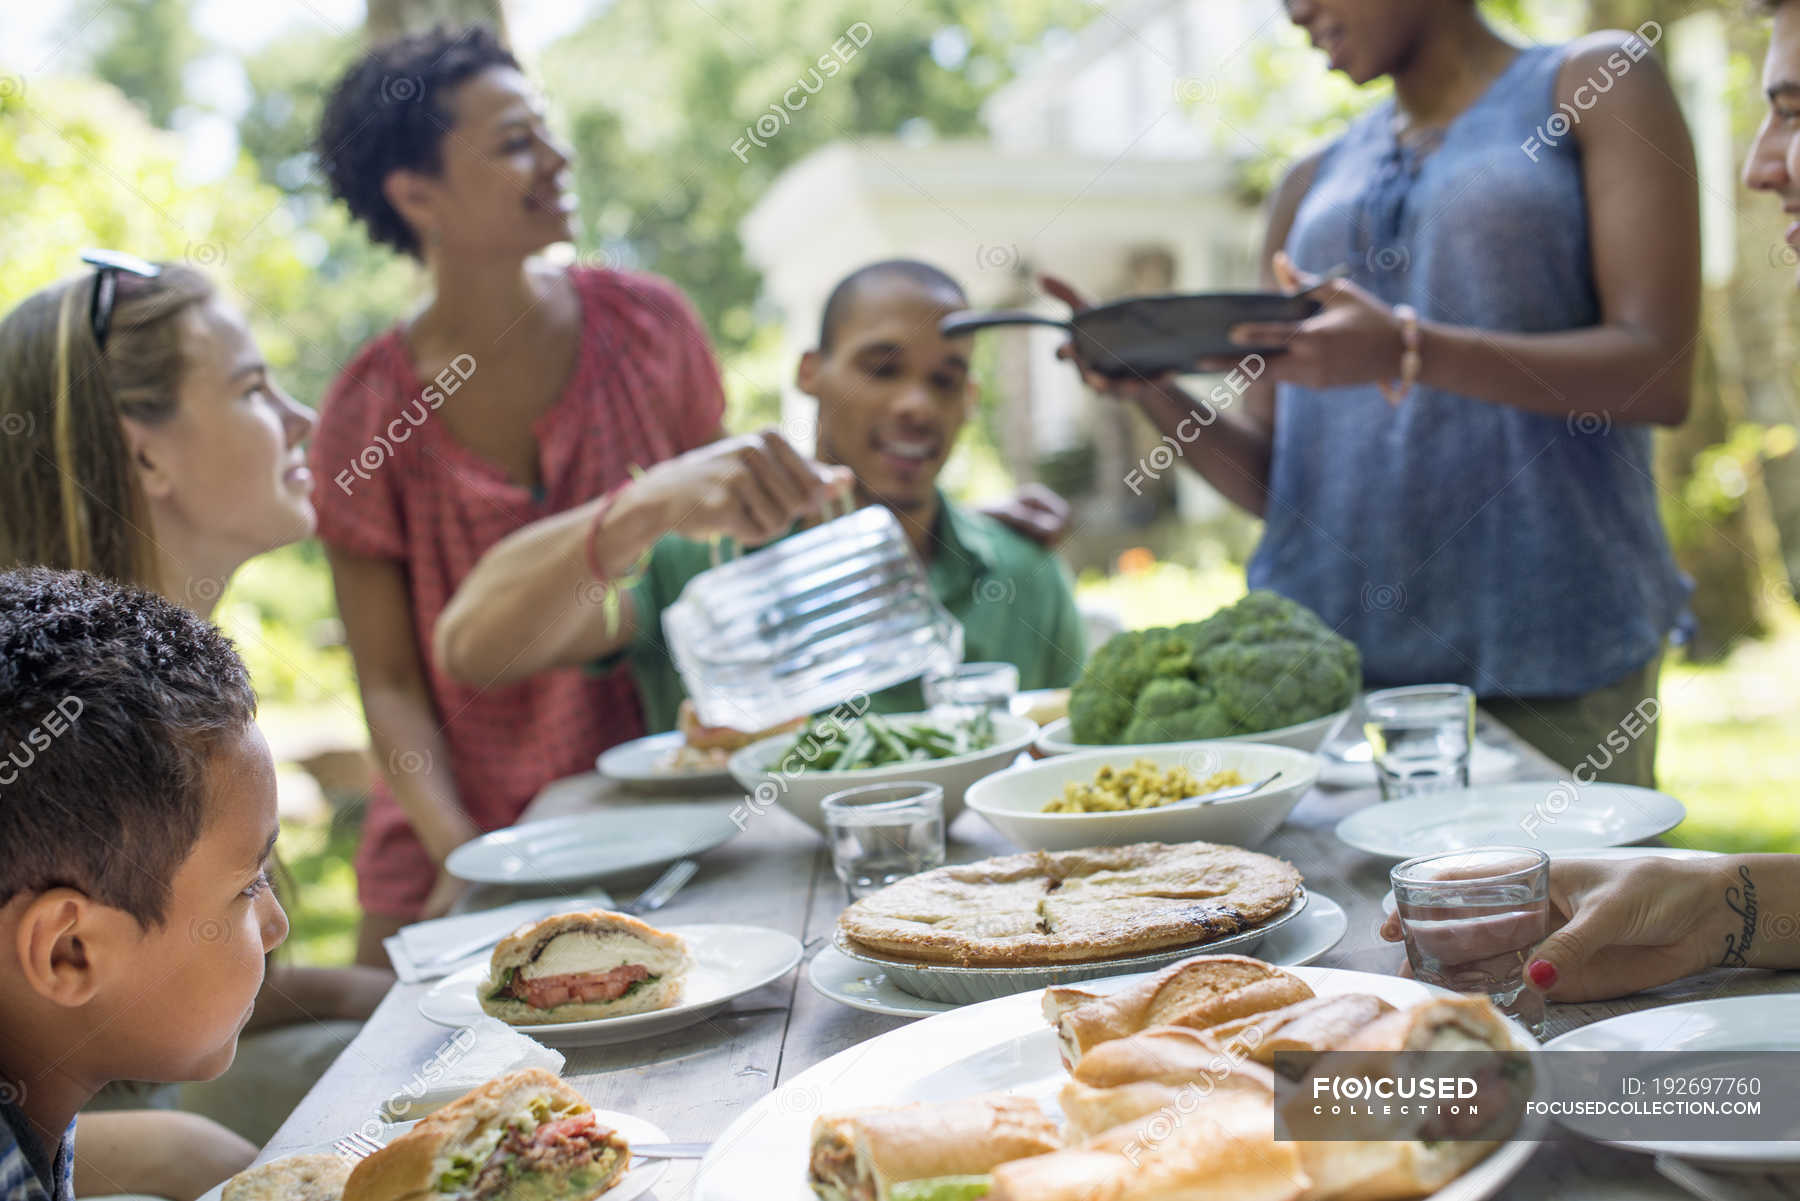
point(1048, 907)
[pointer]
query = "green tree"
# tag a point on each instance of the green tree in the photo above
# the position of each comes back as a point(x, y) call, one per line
point(141, 47)
point(656, 94)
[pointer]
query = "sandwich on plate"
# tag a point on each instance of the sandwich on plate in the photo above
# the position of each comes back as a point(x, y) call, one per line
point(924, 1152)
point(1428, 1154)
point(575, 967)
point(709, 748)
point(1301, 1030)
point(525, 1136)
point(1199, 992)
point(1221, 1149)
point(291, 1178)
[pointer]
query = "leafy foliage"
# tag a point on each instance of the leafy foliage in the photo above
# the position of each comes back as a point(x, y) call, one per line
point(656, 94)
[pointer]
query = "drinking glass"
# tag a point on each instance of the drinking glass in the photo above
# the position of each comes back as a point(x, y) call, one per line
point(1470, 919)
point(880, 833)
point(972, 689)
point(1420, 738)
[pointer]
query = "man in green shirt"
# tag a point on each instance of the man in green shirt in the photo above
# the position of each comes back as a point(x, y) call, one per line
point(893, 395)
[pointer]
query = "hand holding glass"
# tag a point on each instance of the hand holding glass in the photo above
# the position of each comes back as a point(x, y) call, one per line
point(1470, 918)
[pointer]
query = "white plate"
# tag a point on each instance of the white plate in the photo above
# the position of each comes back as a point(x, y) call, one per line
point(635, 1183)
point(563, 850)
point(1355, 767)
point(729, 961)
point(1735, 1027)
point(1320, 926)
point(1548, 814)
point(1000, 1045)
point(1387, 901)
point(639, 763)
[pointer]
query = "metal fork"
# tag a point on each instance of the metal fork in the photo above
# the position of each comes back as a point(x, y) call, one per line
point(665, 886)
point(356, 1145)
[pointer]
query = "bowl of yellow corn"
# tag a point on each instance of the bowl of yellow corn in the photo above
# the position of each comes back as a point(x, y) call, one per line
point(1124, 795)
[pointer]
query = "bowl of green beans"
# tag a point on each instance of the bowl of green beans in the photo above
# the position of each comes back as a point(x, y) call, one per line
point(835, 752)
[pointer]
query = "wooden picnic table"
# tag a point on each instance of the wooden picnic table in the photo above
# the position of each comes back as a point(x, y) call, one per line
point(694, 1082)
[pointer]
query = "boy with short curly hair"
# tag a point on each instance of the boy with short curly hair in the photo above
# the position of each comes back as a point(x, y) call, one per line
point(137, 818)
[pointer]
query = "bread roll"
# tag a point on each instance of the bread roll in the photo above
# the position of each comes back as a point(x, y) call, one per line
point(1199, 992)
point(292, 1178)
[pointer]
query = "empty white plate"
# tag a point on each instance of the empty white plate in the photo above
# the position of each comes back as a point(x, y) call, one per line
point(1320, 926)
point(729, 961)
point(1736, 1029)
point(1549, 814)
point(639, 1180)
point(565, 849)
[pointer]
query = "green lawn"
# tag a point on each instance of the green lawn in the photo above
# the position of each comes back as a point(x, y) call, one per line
point(1729, 747)
point(320, 894)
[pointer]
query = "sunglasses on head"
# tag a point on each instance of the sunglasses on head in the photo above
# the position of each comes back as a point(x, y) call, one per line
point(107, 264)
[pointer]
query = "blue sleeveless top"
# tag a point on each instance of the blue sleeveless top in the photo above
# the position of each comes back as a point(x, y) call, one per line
point(1455, 540)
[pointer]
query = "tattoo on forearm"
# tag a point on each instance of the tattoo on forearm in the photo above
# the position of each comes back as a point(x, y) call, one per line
point(1741, 901)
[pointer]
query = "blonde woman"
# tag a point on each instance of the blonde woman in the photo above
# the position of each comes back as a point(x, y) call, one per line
point(143, 438)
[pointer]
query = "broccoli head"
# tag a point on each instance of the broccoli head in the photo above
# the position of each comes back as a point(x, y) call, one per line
point(1264, 686)
point(1262, 663)
point(1176, 710)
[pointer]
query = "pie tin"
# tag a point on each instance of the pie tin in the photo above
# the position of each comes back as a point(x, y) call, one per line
point(967, 985)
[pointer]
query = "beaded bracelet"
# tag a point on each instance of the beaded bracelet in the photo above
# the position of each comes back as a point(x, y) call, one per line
point(1410, 360)
point(612, 601)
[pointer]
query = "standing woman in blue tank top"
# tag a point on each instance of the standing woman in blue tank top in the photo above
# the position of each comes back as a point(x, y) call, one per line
point(1453, 458)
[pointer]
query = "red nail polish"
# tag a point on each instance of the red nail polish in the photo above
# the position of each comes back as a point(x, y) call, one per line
point(1543, 974)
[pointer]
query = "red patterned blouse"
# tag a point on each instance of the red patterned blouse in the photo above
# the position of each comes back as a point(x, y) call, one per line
point(394, 484)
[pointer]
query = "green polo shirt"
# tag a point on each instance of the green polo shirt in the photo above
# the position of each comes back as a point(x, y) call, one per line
point(1013, 598)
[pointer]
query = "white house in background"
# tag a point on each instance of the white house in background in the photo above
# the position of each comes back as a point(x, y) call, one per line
point(1102, 164)
point(1111, 163)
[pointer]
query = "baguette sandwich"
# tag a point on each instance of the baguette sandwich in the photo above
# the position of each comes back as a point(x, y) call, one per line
point(1166, 1068)
point(578, 966)
point(1201, 992)
point(525, 1136)
point(1221, 1151)
point(1443, 1147)
point(924, 1152)
point(291, 1178)
point(1304, 1029)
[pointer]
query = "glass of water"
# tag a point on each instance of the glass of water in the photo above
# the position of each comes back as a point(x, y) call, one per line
point(1471, 918)
point(1420, 738)
point(972, 689)
point(880, 833)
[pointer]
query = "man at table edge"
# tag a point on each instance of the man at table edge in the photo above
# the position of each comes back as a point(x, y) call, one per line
point(893, 395)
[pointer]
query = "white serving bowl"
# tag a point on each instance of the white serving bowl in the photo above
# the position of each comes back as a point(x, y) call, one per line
point(799, 792)
point(1054, 739)
point(1013, 801)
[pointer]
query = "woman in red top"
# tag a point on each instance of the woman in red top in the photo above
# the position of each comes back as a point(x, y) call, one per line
point(518, 392)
